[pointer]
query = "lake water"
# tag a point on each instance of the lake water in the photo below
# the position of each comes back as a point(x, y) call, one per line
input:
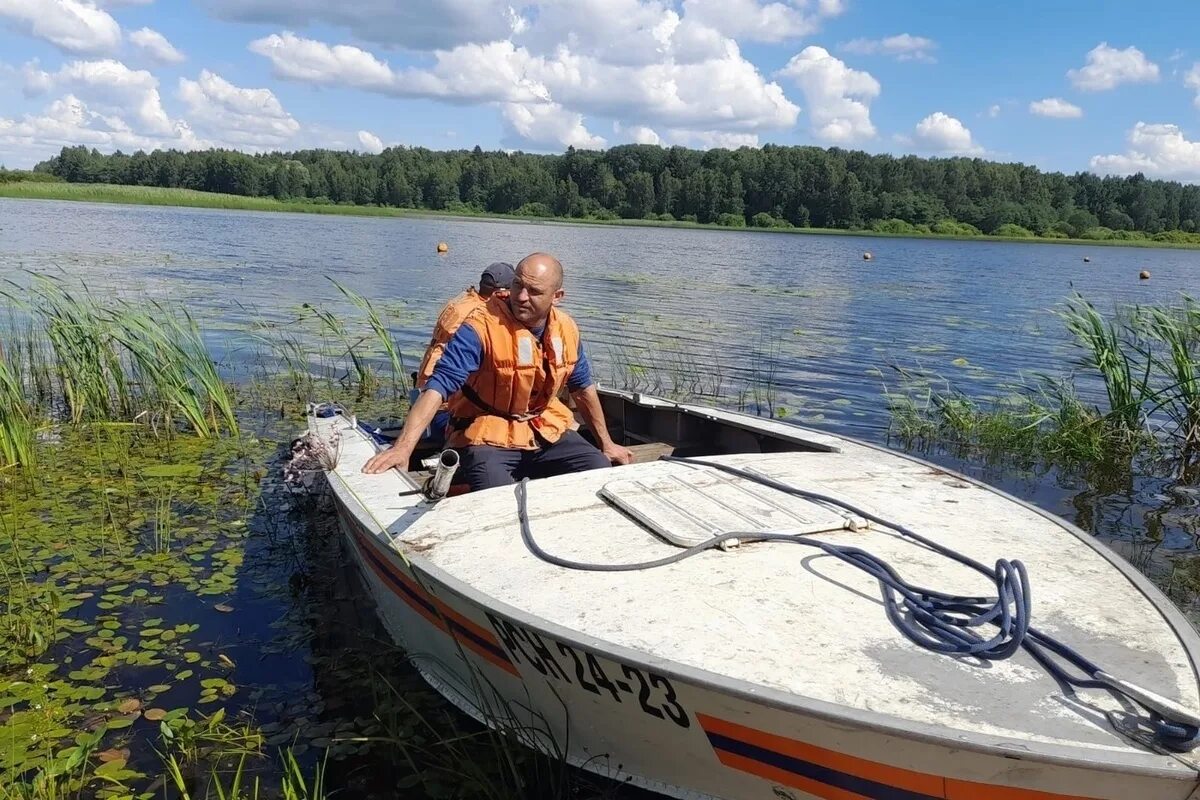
point(716, 311)
point(807, 310)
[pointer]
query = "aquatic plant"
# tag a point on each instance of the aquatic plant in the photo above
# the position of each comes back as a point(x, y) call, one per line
point(1110, 348)
point(383, 336)
point(1179, 330)
point(16, 423)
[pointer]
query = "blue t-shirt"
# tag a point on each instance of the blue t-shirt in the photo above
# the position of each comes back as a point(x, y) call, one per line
point(464, 354)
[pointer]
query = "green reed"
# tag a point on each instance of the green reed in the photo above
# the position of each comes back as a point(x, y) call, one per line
point(1178, 330)
point(383, 336)
point(16, 419)
point(1111, 348)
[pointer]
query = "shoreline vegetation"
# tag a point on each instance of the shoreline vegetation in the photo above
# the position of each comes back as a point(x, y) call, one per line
point(45, 187)
point(779, 188)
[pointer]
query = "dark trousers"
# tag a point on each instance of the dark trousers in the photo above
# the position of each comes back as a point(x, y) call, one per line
point(485, 466)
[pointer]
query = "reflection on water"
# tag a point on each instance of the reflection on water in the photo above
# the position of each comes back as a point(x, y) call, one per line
point(709, 312)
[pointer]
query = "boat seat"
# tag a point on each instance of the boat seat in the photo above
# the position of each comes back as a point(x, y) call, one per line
point(651, 451)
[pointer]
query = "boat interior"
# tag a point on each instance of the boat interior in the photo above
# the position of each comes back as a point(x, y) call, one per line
point(653, 428)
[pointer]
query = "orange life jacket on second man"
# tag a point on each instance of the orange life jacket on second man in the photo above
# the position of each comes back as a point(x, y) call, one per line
point(447, 323)
point(515, 390)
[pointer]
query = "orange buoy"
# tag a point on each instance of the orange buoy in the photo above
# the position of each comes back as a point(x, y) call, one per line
point(867, 256)
point(442, 247)
point(1144, 275)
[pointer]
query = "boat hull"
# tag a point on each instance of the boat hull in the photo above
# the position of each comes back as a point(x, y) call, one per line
point(648, 724)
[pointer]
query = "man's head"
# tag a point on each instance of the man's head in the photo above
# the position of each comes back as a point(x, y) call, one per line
point(536, 289)
point(497, 276)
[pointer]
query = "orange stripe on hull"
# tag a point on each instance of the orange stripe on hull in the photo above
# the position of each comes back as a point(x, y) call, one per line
point(871, 770)
point(441, 614)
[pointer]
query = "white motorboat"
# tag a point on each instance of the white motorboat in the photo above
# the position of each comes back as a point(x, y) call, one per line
point(761, 669)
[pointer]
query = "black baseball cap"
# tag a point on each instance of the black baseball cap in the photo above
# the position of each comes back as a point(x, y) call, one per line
point(498, 276)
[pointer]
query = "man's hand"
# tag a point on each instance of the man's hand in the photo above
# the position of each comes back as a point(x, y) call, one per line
point(395, 456)
point(618, 454)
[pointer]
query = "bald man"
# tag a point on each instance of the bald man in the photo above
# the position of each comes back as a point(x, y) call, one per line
point(501, 373)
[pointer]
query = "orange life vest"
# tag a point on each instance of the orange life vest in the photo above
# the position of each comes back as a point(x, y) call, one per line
point(448, 321)
point(514, 391)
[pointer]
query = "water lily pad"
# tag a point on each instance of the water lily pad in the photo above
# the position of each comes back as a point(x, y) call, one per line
point(105, 756)
point(129, 705)
point(155, 714)
point(224, 608)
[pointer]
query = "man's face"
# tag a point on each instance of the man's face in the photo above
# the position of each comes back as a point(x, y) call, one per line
point(534, 292)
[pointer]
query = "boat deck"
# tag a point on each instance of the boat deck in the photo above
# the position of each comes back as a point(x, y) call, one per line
point(795, 621)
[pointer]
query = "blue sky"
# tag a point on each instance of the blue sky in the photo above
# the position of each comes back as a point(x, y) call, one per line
point(1106, 86)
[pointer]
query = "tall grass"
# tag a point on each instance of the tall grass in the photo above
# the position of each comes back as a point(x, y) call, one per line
point(16, 423)
point(1179, 332)
point(1148, 361)
point(80, 358)
point(383, 336)
point(1111, 349)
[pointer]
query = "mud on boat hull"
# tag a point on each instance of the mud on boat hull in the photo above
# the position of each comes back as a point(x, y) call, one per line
point(680, 734)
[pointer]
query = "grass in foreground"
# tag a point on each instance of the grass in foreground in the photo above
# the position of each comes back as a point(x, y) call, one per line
point(159, 196)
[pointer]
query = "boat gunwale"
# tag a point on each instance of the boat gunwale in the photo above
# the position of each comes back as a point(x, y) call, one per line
point(1155, 765)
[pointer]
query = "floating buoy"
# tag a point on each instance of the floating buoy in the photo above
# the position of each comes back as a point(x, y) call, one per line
point(1087, 260)
point(442, 247)
point(867, 256)
point(1144, 275)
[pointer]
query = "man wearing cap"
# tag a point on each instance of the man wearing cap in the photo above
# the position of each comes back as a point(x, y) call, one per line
point(498, 276)
point(501, 373)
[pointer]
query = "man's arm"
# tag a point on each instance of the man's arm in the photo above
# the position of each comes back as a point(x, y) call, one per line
point(419, 417)
point(587, 400)
point(463, 354)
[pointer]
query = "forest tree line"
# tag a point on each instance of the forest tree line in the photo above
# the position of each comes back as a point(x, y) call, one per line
point(771, 186)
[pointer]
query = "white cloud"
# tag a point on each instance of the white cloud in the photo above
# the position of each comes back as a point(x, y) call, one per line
point(725, 93)
point(1055, 107)
point(370, 142)
point(638, 134)
point(755, 21)
point(110, 87)
point(942, 133)
point(993, 110)
point(247, 118)
point(69, 121)
point(838, 97)
point(1161, 151)
point(903, 47)
point(76, 26)
point(414, 24)
point(1108, 67)
point(156, 46)
point(709, 139)
point(1192, 81)
point(549, 125)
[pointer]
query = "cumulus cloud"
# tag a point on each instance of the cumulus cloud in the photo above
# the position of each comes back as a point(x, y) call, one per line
point(1108, 67)
point(370, 142)
point(549, 125)
point(414, 24)
point(1055, 107)
point(156, 46)
point(762, 22)
point(725, 93)
point(638, 134)
point(1192, 81)
point(111, 88)
point(710, 139)
point(993, 110)
point(943, 134)
point(247, 118)
point(1161, 151)
point(839, 98)
point(69, 121)
point(76, 26)
point(902, 47)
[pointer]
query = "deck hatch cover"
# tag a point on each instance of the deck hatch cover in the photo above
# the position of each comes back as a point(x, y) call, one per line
point(690, 507)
